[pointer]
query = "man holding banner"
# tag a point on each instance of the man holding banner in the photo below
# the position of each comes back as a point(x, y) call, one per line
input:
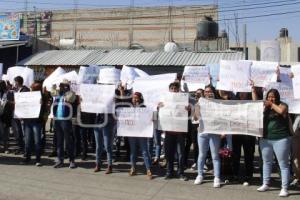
point(173, 119)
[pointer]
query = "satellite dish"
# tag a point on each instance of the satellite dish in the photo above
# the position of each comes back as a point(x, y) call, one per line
point(171, 47)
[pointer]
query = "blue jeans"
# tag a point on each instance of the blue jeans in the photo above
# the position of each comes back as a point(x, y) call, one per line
point(206, 141)
point(64, 133)
point(104, 135)
point(174, 143)
point(157, 141)
point(143, 144)
point(33, 130)
point(282, 149)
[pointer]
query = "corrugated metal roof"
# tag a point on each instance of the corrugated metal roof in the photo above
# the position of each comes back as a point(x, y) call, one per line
point(128, 57)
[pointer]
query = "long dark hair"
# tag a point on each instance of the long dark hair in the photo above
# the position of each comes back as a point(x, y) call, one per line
point(276, 94)
point(213, 89)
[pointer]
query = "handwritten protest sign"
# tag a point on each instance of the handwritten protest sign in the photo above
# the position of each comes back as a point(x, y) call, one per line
point(231, 117)
point(296, 80)
point(26, 73)
point(88, 75)
point(49, 81)
point(97, 98)
point(235, 76)
point(195, 77)
point(109, 76)
point(263, 73)
point(153, 87)
point(135, 122)
point(173, 116)
point(27, 104)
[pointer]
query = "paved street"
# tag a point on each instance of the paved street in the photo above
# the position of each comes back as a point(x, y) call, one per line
point(30, 182)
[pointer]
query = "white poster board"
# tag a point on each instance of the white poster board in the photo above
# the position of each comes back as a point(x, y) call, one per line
point(296, 80)
point(88, 75)
point(270, 51)
point(109, 76)
point(26, 73)
point(231, 117)
point(49, 81)
point(153, 87)
point(195, 77)
point(135, 122)
point(173, 116)
point(263, 72)
point(97, 98)
point(27, 104)
point(235, 76)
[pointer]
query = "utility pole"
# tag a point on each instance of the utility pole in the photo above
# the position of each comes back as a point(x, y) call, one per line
point(75, 22)
point(130, 34)
point(237, 38)
point(245, 42)
point(35, 43)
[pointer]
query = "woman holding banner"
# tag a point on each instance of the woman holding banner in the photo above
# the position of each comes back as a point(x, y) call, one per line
point(276, 139)
point(206, 141)
point(137, 101)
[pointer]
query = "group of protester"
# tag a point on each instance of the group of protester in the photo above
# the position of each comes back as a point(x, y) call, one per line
point(72, 138)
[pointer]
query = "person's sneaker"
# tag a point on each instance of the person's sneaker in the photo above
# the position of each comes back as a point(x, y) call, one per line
point(217, 183)
point(149, 174)
point(263, 188)
point(295, 183)
point(155, 162)
point(246, 183)
point(284, 192)
point(168, 176)
point(198, 180)
point(97, 168)
point(58, 164)
point(72, 165)
point(194, 167)
point(108, 170)
point(38, 164)
point(183, 177)
point(132, 172)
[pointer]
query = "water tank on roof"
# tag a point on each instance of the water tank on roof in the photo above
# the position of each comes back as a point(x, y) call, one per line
point(207, 29)
point(284, 33)
point(171, 47)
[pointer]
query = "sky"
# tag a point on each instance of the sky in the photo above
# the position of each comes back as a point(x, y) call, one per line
point(263, 18)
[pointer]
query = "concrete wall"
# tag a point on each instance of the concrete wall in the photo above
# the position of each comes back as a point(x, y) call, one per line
point(109, 28)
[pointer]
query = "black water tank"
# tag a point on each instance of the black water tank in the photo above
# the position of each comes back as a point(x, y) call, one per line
point(207, 29)
point(284, 33)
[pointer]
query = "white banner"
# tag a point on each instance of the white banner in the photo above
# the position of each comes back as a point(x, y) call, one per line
point(26, 73)
point(88, 75)
point(235, 76)
point(231, 117)
point(285, 90)
point(270, 51)
point(173, 116)
point(71, 76)
point(129, 74)
point(109, 76)
point(135, 122)
point(97, 98)
point(49, 81)
point(195, 77)
point(263, 73)
point(153, 87)
point(294, 105)
point(296, 80)
point(27, 104)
